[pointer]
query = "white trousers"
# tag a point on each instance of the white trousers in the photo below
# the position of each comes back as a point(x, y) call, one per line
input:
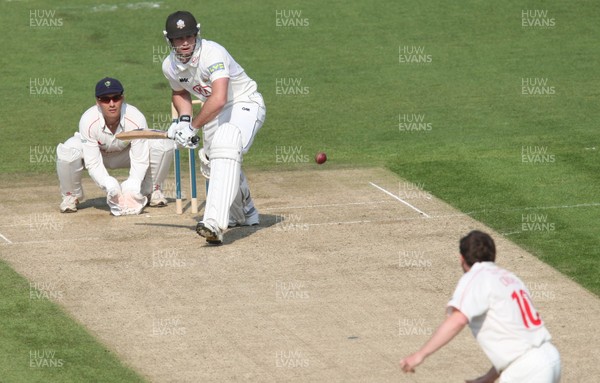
point(226, 139)
point(248, 116)
point(70, 171)
point(538, 365)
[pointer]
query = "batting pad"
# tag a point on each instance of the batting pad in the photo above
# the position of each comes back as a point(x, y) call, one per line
point(226, 166)
point(242, 203)
point(69, 167)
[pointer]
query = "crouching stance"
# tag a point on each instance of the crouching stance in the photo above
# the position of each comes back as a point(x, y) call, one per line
point(497, 307)
point(96, 148)
point(232, 114)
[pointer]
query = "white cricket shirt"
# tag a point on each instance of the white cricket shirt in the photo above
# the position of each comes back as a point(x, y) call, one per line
point(98, 141)
point(208, 64)
point(500, 313)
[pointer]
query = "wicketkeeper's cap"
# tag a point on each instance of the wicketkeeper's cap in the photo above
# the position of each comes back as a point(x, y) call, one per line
point(181, 24)
point(108, 85)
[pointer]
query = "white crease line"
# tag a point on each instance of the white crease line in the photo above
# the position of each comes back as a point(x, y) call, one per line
point(324, 205)
point(383, 220)
point(139, 217)
point(561, 206)
point(401, 200)
point(493, 209)
point(54, 241)
point(6, 239)
point(357, 222)
point(284, 208)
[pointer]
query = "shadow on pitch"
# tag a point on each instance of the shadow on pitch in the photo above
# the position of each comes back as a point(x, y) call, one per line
point(96, 203)
point(235, 233)
point(101, 204)
point(232, 234)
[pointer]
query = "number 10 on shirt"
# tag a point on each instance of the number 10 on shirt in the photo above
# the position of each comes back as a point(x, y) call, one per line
point(528, 313)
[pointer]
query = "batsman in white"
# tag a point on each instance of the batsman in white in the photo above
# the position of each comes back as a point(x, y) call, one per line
point(497, 306)
point(96, 148)
point(232, 113)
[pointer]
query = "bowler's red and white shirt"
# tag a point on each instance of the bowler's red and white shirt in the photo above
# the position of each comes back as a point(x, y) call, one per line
point(500, 313)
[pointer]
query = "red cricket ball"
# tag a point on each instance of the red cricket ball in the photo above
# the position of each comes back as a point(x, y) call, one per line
point(320, 158)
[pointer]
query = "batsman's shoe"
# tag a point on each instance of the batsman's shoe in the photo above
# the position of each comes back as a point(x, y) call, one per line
point(210, 231)
point(69, 204)
point(157, 199)
point(252, 219)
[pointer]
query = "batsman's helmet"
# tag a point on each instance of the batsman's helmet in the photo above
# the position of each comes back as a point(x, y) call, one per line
point(181, 24)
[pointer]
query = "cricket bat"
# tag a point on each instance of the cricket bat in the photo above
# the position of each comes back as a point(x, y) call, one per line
point(148, 134)
point(142, 133)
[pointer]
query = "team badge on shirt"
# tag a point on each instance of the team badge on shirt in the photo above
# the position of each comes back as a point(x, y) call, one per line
point(216, 67)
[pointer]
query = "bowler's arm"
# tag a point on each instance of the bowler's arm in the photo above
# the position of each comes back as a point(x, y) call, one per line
point(450, 327)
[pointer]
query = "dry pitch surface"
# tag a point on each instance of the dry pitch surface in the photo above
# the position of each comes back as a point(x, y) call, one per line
point(339, 281)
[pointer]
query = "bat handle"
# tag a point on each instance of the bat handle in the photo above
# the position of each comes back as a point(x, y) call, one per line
point(194, 139)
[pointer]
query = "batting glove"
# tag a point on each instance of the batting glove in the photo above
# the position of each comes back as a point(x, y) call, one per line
point(172, 130)
point(187, 137)
point(177, 125)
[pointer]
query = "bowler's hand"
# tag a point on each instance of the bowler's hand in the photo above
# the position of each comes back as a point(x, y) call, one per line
point(409, 363)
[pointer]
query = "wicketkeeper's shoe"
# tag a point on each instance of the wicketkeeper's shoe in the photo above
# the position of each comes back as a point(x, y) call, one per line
point(252, 219)
point(210, 231)
point(69, 204)
point(157, 199)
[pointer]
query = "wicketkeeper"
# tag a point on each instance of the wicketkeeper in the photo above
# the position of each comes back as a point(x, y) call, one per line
point(96, 148)
point(232, 113)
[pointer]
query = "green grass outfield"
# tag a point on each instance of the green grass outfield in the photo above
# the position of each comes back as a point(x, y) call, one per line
point(502, 98)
